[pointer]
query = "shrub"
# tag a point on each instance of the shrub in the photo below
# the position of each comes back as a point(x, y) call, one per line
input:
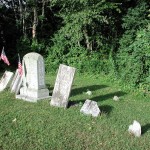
point(133, 58)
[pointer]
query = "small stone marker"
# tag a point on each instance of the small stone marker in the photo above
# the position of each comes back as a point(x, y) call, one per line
point(33, 78)
point(89, 92)
point(135, 129)
point(90, 108)
point(5, 80)
point(62, 86)
point(16, 83)
point(116, 98)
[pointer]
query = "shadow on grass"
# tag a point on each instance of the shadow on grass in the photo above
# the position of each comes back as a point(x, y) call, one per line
point(108, 96)
point(145, 128)
point(106, 109)
point(77, 91)
point(99, 98)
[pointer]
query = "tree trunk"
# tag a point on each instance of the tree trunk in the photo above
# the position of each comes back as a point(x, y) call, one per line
point(87, 41)
point(35, 20)
point(15, 11)
point(43, 8)
point(22, 17)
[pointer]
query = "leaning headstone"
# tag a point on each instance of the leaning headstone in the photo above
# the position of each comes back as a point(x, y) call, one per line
point(5, 80)
point(33, 78)
point(16, 83)
point(62, 86)
point(135, 129)
point(90, 108)
point(13, 79)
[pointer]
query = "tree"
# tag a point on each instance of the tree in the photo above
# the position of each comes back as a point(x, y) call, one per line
point(86, 22)
point(133, 55)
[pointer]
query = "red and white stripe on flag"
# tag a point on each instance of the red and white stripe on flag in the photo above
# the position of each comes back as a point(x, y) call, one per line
point(20, 67)
point(4, 57)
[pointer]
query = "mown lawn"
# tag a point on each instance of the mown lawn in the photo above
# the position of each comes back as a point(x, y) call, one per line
point(39, 126)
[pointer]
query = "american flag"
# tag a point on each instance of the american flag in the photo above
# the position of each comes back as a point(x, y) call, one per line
point(19, 66)
point(4, 57)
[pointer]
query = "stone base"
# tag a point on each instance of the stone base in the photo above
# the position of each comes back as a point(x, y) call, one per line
point(33, 95)
point(31, 99)
point(56, 103)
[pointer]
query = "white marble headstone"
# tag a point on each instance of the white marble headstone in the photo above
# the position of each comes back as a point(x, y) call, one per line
point(16, 83)
point(33, 80)
point(62, 86)
point(90, 108)
point(5, 80)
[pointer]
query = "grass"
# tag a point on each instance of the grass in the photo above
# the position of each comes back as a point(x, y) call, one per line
point(39, 126)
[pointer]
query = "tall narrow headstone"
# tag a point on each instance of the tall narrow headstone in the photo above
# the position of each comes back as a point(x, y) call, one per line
point(33, 80)
point(5, 80)
point(16, 83)
point(62, 86)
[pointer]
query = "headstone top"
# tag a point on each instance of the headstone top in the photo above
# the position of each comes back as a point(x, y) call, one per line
point(33, 55)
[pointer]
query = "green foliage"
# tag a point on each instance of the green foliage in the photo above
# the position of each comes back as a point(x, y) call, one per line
point(85, 34)
point(82, 41)
point(134, 53)
point(23, 45)
point(38, 47)
point(63, 51)
point(136, 19)
point(85, 21)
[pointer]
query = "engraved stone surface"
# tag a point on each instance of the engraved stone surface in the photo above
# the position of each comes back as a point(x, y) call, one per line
point(33, 79)
point(90, 108)
point(5, 80)
point(16, 83)
point(62, 86)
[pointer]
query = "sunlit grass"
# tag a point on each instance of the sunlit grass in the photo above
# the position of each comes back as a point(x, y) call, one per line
point(41, 126)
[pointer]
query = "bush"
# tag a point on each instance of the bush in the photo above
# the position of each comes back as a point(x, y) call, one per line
point(133, 59)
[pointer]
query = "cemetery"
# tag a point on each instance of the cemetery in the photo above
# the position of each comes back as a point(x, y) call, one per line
point(92, 113)
point(74, 75)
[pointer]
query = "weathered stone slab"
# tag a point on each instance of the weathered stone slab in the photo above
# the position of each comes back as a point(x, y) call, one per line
point(14, 78)
point(62, 86)
point(90, 108)
point(33, 78)
point(5, 80)
point(16, 83)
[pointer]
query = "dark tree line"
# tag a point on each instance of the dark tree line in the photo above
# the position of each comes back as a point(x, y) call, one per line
point(110, 36)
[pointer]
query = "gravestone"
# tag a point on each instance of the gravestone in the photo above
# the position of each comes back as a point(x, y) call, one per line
point(62, 86)
point(5, 80)
point(90, 108)
point(16, 83)
point(33, 78)
point(14, 78)
point(135, 129)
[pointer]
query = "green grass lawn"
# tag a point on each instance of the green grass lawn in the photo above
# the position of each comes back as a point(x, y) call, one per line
point(39, 126)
